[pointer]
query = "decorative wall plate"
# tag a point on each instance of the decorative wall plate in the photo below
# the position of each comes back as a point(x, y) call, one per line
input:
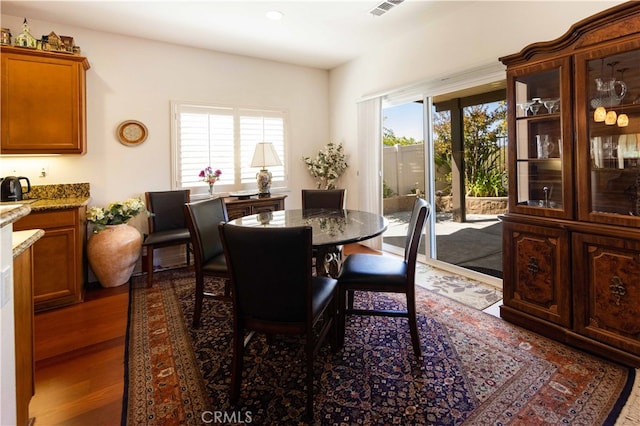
point(132, 132)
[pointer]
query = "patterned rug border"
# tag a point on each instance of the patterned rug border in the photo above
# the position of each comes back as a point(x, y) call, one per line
point(618, 408)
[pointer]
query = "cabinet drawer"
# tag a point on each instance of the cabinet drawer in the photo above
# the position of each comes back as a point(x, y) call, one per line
point(48, 219)
point(536, 271)
point(235, 212)
point(608, 304)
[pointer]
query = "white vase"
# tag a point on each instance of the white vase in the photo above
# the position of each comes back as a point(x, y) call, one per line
point(113, 253)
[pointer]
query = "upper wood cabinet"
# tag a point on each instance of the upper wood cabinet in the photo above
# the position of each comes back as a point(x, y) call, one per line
point(540, 136)
point(43, 102)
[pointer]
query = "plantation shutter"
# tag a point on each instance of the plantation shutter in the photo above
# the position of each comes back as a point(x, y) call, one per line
point(255, 127)
point(206, 139)
point(224, 138)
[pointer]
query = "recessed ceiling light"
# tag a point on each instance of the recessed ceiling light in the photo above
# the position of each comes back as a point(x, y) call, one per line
point(274, 15)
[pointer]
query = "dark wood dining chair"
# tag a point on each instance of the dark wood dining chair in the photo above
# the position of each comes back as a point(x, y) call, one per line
point(324, 199)
point(370, 272)
point(274, 292)
point(167, 224)
point(203, 218)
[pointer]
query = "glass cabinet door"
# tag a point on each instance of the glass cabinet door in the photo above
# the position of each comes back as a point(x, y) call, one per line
point(540, 140)
point(609, 134)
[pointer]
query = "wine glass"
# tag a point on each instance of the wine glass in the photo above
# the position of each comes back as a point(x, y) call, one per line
point(550, 105)
point(535, 106)
point(524, 107)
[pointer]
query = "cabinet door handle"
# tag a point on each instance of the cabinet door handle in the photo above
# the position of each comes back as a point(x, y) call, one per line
point(617, 288)
point(532, 266)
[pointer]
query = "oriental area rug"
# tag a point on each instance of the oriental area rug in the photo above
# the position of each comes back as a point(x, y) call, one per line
point(475, 370)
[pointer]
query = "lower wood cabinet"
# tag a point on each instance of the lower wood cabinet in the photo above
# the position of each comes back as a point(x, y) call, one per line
point(58, 256)
point(536, 276)
point(608, 307)
point(237, 208)
point(576, 283)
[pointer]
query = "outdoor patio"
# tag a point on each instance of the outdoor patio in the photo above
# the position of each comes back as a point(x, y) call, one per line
point(475, 244)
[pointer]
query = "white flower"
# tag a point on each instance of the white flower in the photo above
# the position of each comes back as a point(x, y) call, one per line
point(328, 165)
point(115, 213)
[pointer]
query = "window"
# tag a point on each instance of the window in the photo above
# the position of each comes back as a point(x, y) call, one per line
point(224, 138)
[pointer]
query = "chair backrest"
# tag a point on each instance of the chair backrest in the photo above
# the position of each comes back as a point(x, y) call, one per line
point(419, 215)
point(323, 198)
point(167, 208)
point(270, 272)
point(203, 218)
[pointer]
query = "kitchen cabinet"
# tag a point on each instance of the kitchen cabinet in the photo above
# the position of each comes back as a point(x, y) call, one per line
point(24, 332)
point(43, 102)
point(571, 239)
point(237, 207)
point(59, 267)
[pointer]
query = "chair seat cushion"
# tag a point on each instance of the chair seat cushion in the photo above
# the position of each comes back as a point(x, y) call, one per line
point(215, 265)
point(367, 269)
point(172, 235)
point(323, 290)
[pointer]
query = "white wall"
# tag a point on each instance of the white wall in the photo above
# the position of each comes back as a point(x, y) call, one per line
point(475, 36)
point(135, 79)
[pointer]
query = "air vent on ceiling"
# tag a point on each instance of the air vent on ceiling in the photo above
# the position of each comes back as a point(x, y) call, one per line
point(384, 7)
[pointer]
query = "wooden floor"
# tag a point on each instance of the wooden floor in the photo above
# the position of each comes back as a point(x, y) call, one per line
point(80, 359)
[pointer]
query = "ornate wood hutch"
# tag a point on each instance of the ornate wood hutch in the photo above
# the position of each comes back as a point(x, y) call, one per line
point(572, 234)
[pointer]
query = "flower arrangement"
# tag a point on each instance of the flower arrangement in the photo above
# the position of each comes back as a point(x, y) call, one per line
point(210, 176)
point(115, 213)
point(328, 165)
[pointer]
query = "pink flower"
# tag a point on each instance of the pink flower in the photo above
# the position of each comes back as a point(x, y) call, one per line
point(210, 176)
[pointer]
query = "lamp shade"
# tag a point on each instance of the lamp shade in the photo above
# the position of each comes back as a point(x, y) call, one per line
point(265, 155)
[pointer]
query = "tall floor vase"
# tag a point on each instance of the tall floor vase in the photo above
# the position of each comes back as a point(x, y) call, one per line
point(113, 254)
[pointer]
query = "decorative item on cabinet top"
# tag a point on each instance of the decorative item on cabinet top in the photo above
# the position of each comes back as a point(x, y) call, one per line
point(131, 133)
point(49, 42)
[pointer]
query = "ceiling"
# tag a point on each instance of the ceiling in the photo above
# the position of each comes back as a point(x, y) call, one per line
point(316, 33)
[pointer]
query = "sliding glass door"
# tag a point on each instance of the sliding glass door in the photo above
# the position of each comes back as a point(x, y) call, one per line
point(458, 164)
point(403, 168)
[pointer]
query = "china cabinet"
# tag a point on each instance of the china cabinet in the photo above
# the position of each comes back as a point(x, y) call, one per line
point(571, 237)
point(43, 102)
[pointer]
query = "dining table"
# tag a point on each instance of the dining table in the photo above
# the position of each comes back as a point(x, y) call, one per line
point(330, 228)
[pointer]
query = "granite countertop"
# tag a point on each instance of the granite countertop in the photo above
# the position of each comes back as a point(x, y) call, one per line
point(11, 212)
point(45, 197)
point(59, 203)
point(22, 240)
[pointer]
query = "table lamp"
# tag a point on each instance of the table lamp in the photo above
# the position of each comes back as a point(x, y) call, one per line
point(264, 155)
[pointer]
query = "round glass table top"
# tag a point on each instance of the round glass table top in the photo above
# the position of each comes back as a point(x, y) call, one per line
point(330, 227)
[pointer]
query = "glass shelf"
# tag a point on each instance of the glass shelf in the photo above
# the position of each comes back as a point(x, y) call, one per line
point(613, 82)
point(538, 140)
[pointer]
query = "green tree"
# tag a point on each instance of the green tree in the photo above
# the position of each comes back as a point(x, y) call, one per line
point(442, 148)
point(484, 130)
point(390, 139)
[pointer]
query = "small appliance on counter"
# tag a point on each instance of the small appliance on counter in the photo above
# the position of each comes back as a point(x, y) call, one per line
point(11, 188)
